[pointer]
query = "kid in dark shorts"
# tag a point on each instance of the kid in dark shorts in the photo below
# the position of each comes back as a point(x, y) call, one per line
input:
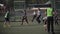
point(7, 22)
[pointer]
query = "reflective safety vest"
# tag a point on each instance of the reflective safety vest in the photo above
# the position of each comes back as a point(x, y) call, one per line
point(49, 12)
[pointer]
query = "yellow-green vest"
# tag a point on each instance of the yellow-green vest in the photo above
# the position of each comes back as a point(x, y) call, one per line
point(49, 12)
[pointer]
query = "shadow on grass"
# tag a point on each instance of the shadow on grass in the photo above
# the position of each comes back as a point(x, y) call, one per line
point(57, 31)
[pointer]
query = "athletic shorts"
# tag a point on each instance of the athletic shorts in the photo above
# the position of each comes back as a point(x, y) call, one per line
point(6, 19)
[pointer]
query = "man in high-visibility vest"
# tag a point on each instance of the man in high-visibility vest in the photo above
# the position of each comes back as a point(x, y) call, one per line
point(49, 14)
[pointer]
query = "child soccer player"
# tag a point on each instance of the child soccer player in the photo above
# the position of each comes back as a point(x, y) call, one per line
point(24, 17)
point(7, 22)
point(45, 22)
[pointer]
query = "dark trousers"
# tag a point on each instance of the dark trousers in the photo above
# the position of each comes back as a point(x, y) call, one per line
point(38, 19)
point(24, 18)
point(50, 24)
point(34, 17)
point(7, 21)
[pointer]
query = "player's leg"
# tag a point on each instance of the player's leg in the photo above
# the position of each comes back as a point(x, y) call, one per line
point(33, 18)
point(48, 24)
point(52, 25)
point(8, 22)
point(56, 20)
point(5, 22)
point(26, 20)
point(38, 20)
point(22, 20)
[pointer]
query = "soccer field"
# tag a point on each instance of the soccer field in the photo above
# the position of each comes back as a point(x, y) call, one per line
point(31, 28)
